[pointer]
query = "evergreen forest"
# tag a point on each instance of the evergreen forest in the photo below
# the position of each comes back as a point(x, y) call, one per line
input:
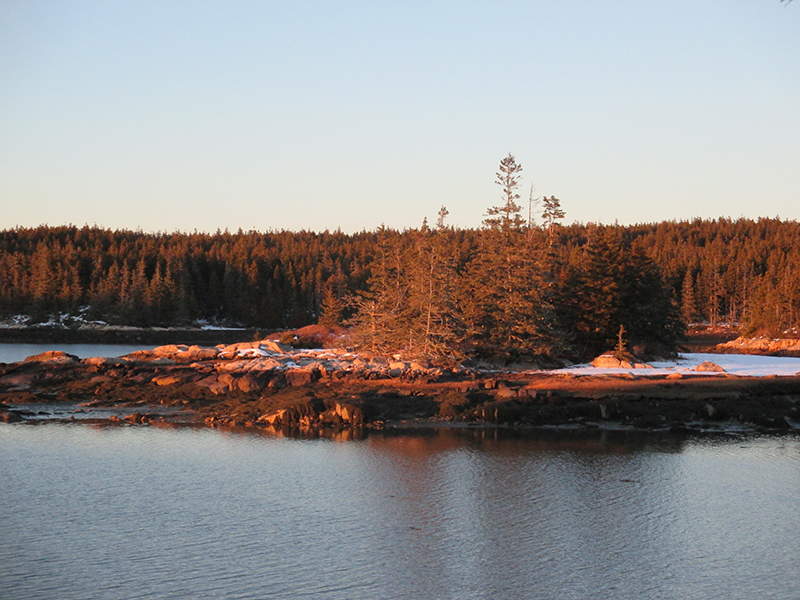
point(515, 289)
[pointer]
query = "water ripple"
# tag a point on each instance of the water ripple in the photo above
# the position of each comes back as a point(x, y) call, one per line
point(145, 513)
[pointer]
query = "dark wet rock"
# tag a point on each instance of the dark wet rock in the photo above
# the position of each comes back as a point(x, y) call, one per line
point(305, 412)
point(649, 421)
point(18, 381)
point(277, 381)
point(137, 418)
point(253, 381)
point(453, 405)
point(141, 377)
point(499, 412)
point(11, 416)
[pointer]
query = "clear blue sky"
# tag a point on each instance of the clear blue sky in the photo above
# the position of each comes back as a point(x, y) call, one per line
point(166, 115)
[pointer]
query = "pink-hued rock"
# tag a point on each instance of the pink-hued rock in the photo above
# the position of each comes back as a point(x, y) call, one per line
point(105, 361)
point(53, 356)
point(196, 353)
point(168, 379)
point(709, 367)
point(609, 361)
point(169, 350)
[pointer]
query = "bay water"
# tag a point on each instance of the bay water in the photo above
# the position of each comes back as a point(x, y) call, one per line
point(119, 512)
point(16, 352)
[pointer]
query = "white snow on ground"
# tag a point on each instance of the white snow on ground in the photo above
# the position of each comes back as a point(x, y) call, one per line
point(735, 364)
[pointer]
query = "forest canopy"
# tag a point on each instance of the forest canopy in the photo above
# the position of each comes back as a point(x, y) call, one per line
point(512, 289)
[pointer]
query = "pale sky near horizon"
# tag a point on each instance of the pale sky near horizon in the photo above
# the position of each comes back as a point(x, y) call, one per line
point(166, 115)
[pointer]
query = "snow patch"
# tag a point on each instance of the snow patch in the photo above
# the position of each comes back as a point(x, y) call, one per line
point(743, 365)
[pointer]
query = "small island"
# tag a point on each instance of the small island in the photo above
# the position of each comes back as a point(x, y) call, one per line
point(269, 384)
point(435, 325)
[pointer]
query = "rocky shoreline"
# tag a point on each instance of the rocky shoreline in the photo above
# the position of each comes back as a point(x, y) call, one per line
point(762, 346)
point(110, 334)
point(267, 384)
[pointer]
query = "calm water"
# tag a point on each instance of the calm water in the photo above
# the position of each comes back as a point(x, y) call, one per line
point(13, 352)
point(138, 512)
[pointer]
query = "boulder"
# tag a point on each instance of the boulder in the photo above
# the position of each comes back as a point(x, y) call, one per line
point(53, 356)
point(709, 367)
point(609, 361)
point(606, 361)
point(232, 350)
point(170, 350)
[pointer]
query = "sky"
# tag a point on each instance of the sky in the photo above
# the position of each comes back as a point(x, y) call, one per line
point(169, 116)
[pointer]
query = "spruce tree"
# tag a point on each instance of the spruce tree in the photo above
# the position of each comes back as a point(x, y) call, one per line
point(504, 310)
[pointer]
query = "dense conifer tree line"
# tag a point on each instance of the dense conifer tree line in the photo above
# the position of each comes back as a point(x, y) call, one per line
point(267, 280)
point(510, 290)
